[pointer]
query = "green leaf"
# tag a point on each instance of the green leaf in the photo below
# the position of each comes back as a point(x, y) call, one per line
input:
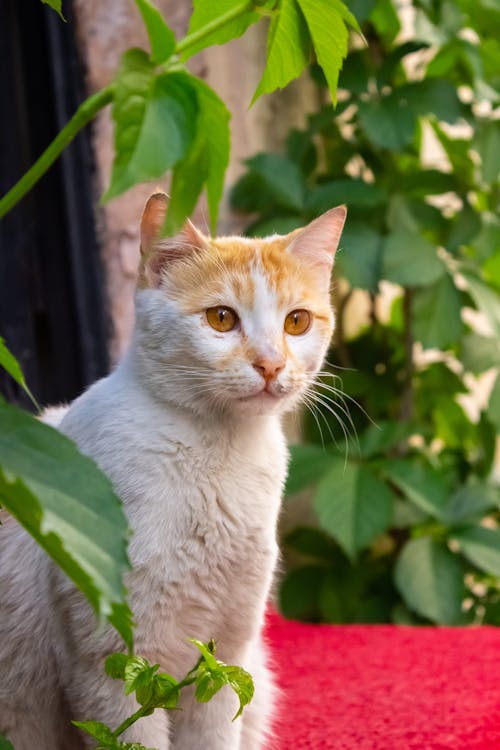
point(55, 5)
point(327, 20)
point(161, 37)
point(208, 683)
point(432, 96)
point(308, 464)
point(420, 483)
point(207, 11)
point(486, 299)
point(288, 49)
point(470, 502)
point(487, 143)
point(481, 546)
point(360, 256)
point(388, 122)
point(154, 118)
point(479, 353)
point(410, 260)
point(206, 652)
point(115, 666)
point(206, 161)
point(68, 505)
point(437, 320)
point(97, 730)
point(494, 405)
point(353, 505)
point(311, 542)
point(282, 179)
point(5, 744)
point(385, 20)
point(10, 363)
point(430, 580)
point(242, 684)
point(352, 192)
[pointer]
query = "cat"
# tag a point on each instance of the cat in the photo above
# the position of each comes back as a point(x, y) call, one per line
point(229, 333)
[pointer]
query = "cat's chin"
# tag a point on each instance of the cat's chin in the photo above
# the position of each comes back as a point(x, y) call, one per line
point(261, 404)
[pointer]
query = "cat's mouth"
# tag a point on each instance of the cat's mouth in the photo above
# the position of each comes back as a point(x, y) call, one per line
point(263, 393)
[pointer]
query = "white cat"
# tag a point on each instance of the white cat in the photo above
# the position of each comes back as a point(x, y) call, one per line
point(229, 334)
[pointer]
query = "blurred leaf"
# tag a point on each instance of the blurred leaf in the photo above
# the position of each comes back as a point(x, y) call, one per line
point(308, 463)
point(352, 192)
point(385, 19)
point(465, 227)
point(481, 546)
point(161, 37)
point(355, 73)
point(491, 270)
point(155, 118)
point(57, 6)
point(301, 149)
point(288, 49)
point(5, 744)
point(430, 580)
point(282, 179)
point(486, 299)
point(353, 505)
point(388, 122)
point(388, 70)
point(437, 320)
point(68, 505)
point(457, 151)
point(299, 592)
point(97, 730)
point(12, 366)
point(206, 160)
point(327, 21)
point(359, 259)
point(276, 225)
point(206, 11)
point(420, 483)
point(487, 143)
point(427, 182)
point(494, 404)
point(487, 242)
point(312, 542)
point(479, 353)
point(410, 260)
point(432, 96)
point(384, 436)
point(470, 502)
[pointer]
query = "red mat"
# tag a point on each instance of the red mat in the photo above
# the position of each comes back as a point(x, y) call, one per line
point(384, 687)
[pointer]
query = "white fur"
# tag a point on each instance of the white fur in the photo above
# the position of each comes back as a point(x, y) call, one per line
point(198, 457)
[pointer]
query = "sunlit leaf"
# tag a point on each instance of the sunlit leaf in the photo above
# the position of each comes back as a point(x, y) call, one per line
point(161, 37)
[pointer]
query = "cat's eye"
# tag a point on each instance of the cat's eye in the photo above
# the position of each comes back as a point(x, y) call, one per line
point(222, 318)
point(297, 322)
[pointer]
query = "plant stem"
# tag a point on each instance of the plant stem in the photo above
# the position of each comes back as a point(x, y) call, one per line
point(85, 112)
point(192, 39)
point(131, 720)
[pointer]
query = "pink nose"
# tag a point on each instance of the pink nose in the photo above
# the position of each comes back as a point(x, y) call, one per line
point(269, 367)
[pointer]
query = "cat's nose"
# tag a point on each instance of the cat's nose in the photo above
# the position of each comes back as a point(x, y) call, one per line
point(269, 367)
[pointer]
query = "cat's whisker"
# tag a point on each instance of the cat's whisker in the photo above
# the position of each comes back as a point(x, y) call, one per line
point(343, 395)
point(328, 404)
point(313, 396)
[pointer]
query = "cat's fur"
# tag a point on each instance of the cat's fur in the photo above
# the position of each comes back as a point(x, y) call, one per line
point(194, 447)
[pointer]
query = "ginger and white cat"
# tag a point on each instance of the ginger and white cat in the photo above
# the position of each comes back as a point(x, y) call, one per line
point(229, 333)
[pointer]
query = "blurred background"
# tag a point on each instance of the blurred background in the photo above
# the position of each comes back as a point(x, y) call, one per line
point(392, 509)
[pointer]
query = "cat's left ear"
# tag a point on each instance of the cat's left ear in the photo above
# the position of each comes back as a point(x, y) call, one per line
point(158, 252)
point(317, 243)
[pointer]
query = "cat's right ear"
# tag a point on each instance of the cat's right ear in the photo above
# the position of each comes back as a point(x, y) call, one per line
point(158, 252)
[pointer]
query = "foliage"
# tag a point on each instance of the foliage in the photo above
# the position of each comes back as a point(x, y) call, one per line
point(158, 690)
point(165, 118)
point(408, 523)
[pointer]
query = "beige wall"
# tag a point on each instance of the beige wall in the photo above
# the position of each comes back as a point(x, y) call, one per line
point(105, 30)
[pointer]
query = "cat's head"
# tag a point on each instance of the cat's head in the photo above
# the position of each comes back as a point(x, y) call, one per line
point(231, 324)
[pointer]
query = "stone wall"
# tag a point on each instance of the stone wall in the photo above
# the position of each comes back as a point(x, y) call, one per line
point(105, 30)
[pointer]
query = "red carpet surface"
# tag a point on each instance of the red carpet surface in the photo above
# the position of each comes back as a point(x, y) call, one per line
point(384, 687)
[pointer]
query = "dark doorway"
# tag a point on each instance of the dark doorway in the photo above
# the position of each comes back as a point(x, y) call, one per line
point(52, 312)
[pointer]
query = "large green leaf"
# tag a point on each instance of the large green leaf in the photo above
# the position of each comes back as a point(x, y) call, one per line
point(430, 580)
point(471, 501)
point(206, 161)
point(308, 464)
point(481, 546)
point(388, 122)
point(69, 507)
point(207, 11)
point(479, 353)
point(410, 260)
point(359, 258)
point(353, 505)
point(487, 143)
point(327, 21)
point(155, 118)
point(437, 320)
point(161, 37)
point(282, 179)
point(420, 483)
point(288, 49)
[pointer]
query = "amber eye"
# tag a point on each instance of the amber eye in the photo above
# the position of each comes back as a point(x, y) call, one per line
point(297, 322)
point(222, 318)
